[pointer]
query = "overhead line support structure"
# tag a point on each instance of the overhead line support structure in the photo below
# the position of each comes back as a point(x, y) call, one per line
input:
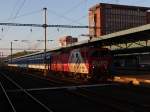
point(11, 52)
point(45, 34)
point(43, 25)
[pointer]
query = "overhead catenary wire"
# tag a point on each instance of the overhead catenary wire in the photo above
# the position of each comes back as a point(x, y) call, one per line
point(74, 7)
point(63, 26)
point(19, 9)
point(20, 49)
point(11, 17)
point(62, 16)
point(43, 25)
point(12, 12)
point(26, 14)
point(82, 17)
point(23, 15)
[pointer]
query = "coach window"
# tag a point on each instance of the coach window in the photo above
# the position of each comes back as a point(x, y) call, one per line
point(72, 56)
point(77, 55)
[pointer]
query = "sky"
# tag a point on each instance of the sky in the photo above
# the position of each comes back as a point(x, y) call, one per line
point(65, 12)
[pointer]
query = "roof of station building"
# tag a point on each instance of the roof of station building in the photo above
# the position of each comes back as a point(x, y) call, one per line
point(107, 5)
point(140, 33)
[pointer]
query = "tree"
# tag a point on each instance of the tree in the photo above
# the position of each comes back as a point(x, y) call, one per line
point(18, 54)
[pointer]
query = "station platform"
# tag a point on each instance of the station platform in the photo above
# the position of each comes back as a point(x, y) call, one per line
point(134, 79)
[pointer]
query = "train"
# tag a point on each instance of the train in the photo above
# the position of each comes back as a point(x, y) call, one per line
point(133, 61)
point(80, 63)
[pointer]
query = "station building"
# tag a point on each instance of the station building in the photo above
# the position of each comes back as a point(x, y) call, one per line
point(108, 18)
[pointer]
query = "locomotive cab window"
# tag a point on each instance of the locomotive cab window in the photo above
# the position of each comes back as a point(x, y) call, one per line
point(77, 55)
point(99, 53)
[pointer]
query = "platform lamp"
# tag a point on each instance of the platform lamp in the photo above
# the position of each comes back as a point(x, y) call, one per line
point(44, 40)
point(12, 47)
point(11, 50)
point(44, 49)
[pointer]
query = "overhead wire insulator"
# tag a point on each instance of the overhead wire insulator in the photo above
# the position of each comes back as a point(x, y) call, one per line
point(58, 29)
point(2, 32)
point(2, 29)
point(31, 30)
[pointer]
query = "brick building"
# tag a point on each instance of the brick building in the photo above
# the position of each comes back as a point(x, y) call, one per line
point(148, 17)
point(109, 18)
point(67, 40)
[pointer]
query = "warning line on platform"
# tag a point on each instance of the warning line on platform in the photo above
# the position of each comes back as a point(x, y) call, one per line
point(136, 80)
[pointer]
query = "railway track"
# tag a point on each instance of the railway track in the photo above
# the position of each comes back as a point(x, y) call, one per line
point(22, 101)
point(50, 78)
point(22, 92)
point(6, 104)
point(57, 79)
point(38, 100)
point(120, 99)
point(53, 80)
point(33, 81)
point(64, 99)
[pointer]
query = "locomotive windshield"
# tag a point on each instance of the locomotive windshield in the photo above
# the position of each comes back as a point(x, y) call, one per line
point(99, 53)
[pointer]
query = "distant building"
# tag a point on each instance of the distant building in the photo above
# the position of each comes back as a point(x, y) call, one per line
point(67, 40)
point(109, 18)
point(148, 17)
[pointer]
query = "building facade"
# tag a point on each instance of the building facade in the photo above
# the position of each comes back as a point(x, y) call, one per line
point(108, 18)
point(67, 40)
point(148, 17)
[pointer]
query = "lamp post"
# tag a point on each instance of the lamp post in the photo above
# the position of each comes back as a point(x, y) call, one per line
point(11, 50)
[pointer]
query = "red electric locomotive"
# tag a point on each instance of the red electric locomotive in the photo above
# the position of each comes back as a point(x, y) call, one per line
point(83, 63)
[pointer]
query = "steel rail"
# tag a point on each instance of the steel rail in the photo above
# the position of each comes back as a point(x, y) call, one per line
point(27, 93)
point(43, 78)
point(95, 100)
point(126, 102)
point(52, 83)
point(64, 87)
point(12, 106)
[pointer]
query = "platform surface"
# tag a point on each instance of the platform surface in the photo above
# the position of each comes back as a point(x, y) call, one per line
point(135, 79)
